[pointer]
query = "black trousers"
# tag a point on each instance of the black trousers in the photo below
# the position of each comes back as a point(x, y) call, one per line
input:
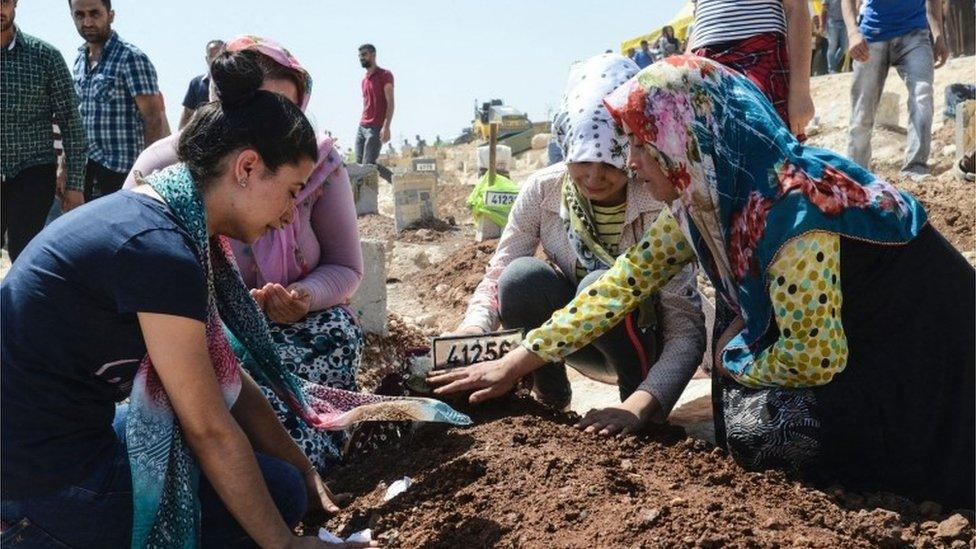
point(101, 181)
point(25, 200)
point(529, 291)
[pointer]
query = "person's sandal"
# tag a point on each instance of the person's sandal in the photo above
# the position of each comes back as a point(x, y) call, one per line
point(965, 168)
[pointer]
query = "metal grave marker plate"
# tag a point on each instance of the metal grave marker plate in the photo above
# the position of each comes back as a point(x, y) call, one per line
point(464, 350)
point(500, 198)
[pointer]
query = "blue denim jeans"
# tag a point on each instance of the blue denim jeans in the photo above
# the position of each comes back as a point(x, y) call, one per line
point(97, 512)
point(836, 45)
point(911, 55)
point(368, 145)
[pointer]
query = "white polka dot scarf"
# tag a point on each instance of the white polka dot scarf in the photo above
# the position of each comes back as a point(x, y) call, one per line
point(584, 129)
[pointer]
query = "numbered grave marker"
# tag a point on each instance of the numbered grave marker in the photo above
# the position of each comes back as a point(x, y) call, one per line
point(500, 198)
point(425, 165)
point(457, 351)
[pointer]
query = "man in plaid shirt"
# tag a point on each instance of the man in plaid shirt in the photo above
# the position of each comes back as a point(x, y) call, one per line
point(35, 89)
point(121, 106)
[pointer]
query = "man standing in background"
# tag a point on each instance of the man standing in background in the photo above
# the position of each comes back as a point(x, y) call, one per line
point(907, 35)
point(644, 57)
point(121, 106)
point(834, 28)
point(198, 93)
point(36, 88)
point(374, 125)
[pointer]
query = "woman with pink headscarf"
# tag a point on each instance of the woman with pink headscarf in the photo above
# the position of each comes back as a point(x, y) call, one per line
point(302, 275)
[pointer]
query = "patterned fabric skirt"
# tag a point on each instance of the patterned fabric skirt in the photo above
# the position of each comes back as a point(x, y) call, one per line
point(900, 417)
point(325, 347)
point(764, 59)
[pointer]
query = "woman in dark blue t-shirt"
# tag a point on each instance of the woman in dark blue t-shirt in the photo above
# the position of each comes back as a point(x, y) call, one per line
point(125, 297)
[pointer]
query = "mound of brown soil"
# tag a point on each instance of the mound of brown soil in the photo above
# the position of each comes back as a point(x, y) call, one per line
point(429, 230)
point(377, 227)
point(451, 282)
point(522, 476)
point(384, 355)
point(950, 203)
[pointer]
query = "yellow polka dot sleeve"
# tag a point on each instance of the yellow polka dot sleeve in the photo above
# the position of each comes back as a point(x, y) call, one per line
point(636, 274)
point(804, 286)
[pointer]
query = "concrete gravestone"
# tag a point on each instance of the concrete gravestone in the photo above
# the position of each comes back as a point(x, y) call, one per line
point(425, 164)
point(414, 198)
point(365, 181)
point(369, 301)
point(888, 111)
point(965, 128)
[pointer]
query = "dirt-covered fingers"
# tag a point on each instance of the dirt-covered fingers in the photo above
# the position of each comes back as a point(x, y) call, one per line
point(451, 381)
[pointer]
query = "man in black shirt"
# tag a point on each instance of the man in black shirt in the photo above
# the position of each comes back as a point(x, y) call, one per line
point(198, 93)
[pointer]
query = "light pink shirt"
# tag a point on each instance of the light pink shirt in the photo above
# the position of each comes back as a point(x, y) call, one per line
point(328, 234)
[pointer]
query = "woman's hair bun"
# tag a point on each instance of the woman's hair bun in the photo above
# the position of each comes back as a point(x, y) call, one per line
point(236, 78)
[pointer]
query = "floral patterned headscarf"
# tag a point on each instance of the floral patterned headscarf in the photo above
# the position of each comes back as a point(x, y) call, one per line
point(745, 184)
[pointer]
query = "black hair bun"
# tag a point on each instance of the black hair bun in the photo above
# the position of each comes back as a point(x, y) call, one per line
point(236, 78)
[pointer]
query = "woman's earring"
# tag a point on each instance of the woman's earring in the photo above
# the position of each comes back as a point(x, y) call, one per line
point(242, 182)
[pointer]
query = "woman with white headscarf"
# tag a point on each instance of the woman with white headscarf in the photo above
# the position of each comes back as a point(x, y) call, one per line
point(583, 212)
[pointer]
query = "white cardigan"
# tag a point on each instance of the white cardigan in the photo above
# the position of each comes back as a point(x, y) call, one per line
point(537, 218)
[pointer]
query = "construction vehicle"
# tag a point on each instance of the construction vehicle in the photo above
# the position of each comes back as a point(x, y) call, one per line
point(514, 127)
point(510, 120)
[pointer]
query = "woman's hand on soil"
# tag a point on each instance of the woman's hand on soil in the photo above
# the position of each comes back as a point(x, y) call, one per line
point(320, 497)
point(488, 379)
point(625, 419)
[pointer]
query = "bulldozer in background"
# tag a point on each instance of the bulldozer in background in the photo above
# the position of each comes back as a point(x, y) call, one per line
point(514, 127)
point(510, 120)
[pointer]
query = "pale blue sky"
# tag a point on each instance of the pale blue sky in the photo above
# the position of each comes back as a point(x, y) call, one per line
point(444, 54)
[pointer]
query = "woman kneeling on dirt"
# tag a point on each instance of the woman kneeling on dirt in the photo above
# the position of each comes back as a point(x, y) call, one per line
point(583, 212)
point(304, 273)
point(147, 271)
point(852, 356)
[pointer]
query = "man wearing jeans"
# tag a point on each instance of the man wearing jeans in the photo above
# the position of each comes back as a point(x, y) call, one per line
point(894, 33)
point(374, 126)
point(832, 20)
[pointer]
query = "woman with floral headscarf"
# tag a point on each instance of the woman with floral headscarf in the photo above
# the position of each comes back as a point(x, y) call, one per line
point(303, 274)
point(852, 358)
point(583, 212)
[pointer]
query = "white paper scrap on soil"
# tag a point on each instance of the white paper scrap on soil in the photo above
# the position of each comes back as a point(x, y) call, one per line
point(362, 536)
point(397, 487)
